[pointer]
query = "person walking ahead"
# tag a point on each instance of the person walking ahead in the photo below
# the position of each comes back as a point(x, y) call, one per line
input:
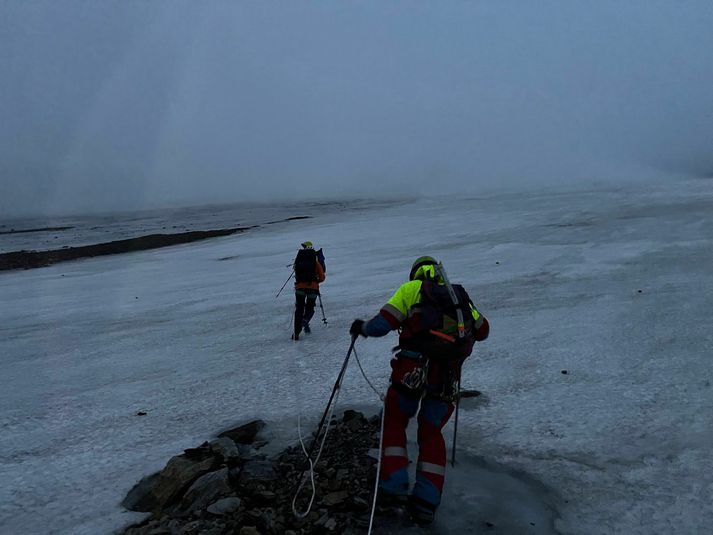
point(309, 272)
point(436, 336)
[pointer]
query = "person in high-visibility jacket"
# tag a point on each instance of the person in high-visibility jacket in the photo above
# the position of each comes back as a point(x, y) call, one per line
point(439, 324)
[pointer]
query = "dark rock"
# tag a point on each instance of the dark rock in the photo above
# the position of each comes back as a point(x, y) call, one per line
point(355, 424)
point(34, 259)
point(244, 434)
point(350, 415)
point(201, 452)
point(564, 372)
point(141, 413)
point(254, 514)
point(360, 503)
point(156, 491)
point(259, 497)
point(192, 527)
point(246, 451)
point(206, 490)
point(322, 520)
point(234, 475)
point(335, 498)
point(266, 522)
point(256, 471)
point(225, 449)
point(160, 530)
point(265, 496)
point(224, 506)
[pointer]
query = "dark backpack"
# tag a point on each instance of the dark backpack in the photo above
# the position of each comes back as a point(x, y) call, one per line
point(435, 325)
point(306, 265)
point(320, 258)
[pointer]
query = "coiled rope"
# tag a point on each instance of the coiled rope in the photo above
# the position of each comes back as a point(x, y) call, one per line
point(309, 475)
point(312, 463)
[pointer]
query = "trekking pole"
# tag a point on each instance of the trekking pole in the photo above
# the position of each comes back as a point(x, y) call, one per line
point(324, 318)
point(283, 286)
point(455, 422)
point(337, 384)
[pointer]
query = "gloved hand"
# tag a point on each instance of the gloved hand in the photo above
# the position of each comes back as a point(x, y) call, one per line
point(357, 328)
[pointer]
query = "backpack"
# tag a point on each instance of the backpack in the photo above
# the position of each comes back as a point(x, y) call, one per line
point(434, 325)
point(320, 258)
point(305, 265)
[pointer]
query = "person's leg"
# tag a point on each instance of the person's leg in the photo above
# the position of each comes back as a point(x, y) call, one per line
point(398, 410)
point(431, 467)
point(436, 409)
point(299, 312)
point(311, 299)
point(402, 399)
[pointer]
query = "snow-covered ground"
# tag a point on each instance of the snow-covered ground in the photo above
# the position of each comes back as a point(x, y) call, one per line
point(613, 286)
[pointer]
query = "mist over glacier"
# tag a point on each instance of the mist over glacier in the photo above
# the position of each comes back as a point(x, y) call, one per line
point(130, 104)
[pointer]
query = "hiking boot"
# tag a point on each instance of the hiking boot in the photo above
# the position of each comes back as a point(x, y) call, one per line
point(307, 328)
point(387, 500)
point(421, 511)
point(295, 336)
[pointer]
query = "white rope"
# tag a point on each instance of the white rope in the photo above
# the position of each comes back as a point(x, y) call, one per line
point(381, 441)
point(290, 321)
point(380, 395)
point(378, 466)
point(312, 464)
point(310, 474)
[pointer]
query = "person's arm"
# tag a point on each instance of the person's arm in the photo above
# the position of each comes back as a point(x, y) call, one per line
point(482, 327)
point(392, 314)
point(320, 272)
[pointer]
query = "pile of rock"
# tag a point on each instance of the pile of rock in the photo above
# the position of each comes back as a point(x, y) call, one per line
point(227, 486)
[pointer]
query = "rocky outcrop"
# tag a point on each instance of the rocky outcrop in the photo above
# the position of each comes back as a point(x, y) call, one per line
point(245, 492)
point(35, 259)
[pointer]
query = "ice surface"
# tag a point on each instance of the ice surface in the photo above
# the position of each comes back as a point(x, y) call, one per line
point(622, 443)
point(46, 233)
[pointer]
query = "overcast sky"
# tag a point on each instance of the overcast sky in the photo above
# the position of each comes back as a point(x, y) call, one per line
point(109, 105)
